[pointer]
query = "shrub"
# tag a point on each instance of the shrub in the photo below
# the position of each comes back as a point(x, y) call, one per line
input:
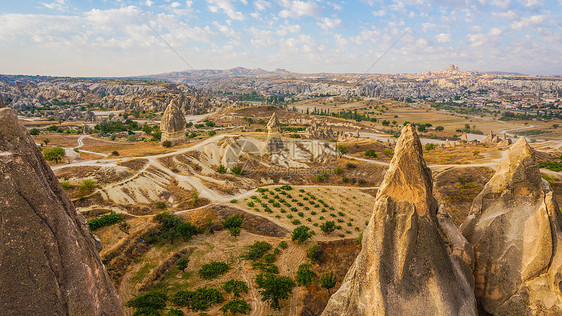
point(257, 250)
point(266, 267)
point(274, 288)
point(430, 146)
point(151, 300)
point(328, 227)
point(34, 132)
point(314, 253)
point(167, 144)
point(296, 222)
point(87, 186)
point(212, 133)
point(200, 299)
point(371, 153)
point(115, 153)
point(350, 165)
point(321, 177)
point(286, 187)
point(387, 152)
point(301, 234)
point(182, 263)
point(283, 245)
point(236, 306)
point(269, 258)
point(237, 170)
point(236, 287)
point(213, 269)
point(65, 185)
point(328, 281)
point(175, 312)
point(305, 276)
point(160, 205)
point(221, 169)
point(439, 128)
point(171, 228)
point(105, 220)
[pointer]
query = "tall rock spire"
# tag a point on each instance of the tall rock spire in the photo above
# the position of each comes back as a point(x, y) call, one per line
point(515, 227)
point(48, 260)
point(173, 123)
point(413, 260)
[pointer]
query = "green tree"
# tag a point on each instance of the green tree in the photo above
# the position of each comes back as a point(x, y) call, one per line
point(233, 224)
point(195, 198)
point(328, 281)
point(53, 154)
point(274, 288)
point(34, 132)
point(301, 234)
point(439, 128)
point(236, 306)
point(371, 153)
point(305, 276)
point(314, 253)
point(328, 227)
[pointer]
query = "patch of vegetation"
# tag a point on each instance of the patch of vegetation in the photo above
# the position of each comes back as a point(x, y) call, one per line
point(301, 234)
point(151, 302)
point(328, 281)
point(104, 220)
point(171, 228)
point(370, 153)
point(55, 154)
point(235, 287)
point(553, 166)
point(257, 250)
point(87, 186)
point(199, 300)
point(305, 276)
point(314, 253)
point(213, 269)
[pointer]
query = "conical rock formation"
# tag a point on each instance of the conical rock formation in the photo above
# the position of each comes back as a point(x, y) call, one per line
point(274, 143)
point(515, 228)
point(173, 124)
point(48, 260)
point(413, 261)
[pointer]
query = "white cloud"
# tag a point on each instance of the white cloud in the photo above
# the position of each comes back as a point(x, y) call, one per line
point(227, 7)
point(261, 5)
point(226, 30)
point(525, 23)
point(509, 15)
point(55, 5)
point(443, 38)
point(297, 9)
point(531, 3)
point(175, 5)
point(379, 13)
point(502, 4)
point(148, 3)
point(328, 23)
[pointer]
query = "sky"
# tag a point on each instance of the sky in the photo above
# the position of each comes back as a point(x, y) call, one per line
point(131, 37)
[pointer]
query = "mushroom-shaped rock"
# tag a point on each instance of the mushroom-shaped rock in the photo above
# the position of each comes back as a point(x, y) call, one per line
point(273, 124)
point(173, 124)
point(49, 264)
point(413, 260)
point(515, 228)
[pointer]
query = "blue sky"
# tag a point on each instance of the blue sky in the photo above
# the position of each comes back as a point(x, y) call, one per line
point(116, 37)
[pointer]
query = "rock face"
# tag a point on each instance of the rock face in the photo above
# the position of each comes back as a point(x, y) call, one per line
point(1, 102)
point(48, 260)
point(515, 228)
point(274, 142)
point(413, 260)
point(173, 124)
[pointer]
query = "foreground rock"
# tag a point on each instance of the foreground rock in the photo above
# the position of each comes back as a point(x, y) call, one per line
point(413, 261)
point(173, 124)
point(515, 228)
point(48, 260)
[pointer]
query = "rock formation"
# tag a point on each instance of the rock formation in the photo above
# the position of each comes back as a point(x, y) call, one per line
point(413, 260)
point(515, 228)
point(274, 142)
point(490, 139)
point(1, 102)
point(464, 138)
point(317, 131)
point(505, 141)
point(48, 260)
point(173, 124)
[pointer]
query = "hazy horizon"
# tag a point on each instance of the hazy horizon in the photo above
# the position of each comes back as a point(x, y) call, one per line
point(123, 38)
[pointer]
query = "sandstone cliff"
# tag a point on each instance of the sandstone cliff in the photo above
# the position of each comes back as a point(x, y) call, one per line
point(48, 260)
point(515, 228)
point(413, 260)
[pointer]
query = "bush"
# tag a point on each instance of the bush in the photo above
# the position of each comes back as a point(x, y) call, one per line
point(65, 185)
point(175, 312)
point(236, 306)
point(371, 153)
point(283, 245)
point(430, 146)
point(200, 299)
point(321, 177)
point(151, 300)
point(213, 269)
point(265, 267)
point(221, 169)
point(105, 220)
point(236, 287)
point(257, 250)
point(301, 234)
point(212, 133)
point(167, 144)
point(34, 132)
point(314, 253)
point(439, 128)
point(115, 153)
point(328, 227)
point(160, 205)
point(274, 288)
point(87, 186)
point(286, 187)
point(55, 154)
point(237, 170)
point(305, 276)
point(350, 165)
point(182, 263)
point(328, 281)
point(171, 228)
point(387, 152)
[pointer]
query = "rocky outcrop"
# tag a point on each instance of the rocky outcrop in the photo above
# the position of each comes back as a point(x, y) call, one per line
point(490, 139)
point(274, 143)
point(413, 260)
point(515, 228)
point(173, 124)
point(1, 102)
point(48, 260)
